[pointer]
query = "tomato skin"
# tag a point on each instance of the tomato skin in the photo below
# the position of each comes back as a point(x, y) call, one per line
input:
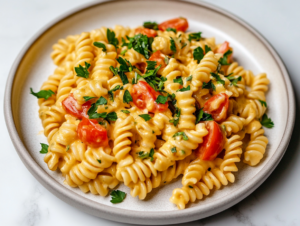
point(223, 49)
point(220, 113)
point(160, 60)
point(73, 108)
point(92, 134)
point(146, 31)
point(180, 24)
point(213, 142)
point(143, 94)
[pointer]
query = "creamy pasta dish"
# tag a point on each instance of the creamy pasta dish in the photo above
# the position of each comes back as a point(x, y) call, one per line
point(144, 106)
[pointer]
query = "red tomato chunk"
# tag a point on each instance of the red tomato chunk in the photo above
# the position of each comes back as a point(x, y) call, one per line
point(146, 31)
point(221, 101)
point(180, 24)
point(73, 108)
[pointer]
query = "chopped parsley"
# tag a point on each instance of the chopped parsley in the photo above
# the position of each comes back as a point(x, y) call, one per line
point(101, 101)
point(234, 80)
point(202, 116)
point(198, 54)
point(183, 152)
point(267, 122)
point(184, 136)
point(150, 65)
point(146, 117)
point(195, 36)
point(111, 94)
point(171, 29)
point(224, 59)
point(114, 70)
point(209, 85)
point(100, 45)
point(111, 37)
point(184, 89)
point(68, 147)
point(263, 103)
point(141, 44)
point(173, 150)
point(127, 97)
point(175, 120)
point(172, 46)
point(189, 78)
point(44, 149)
point(123, 52)
point(190, 186)
point(99, 161)
point(184, 45)
point(178, 80)
point(144, 155)
point(218, 79)
point(42, 93)
point(83, 71)
point(161, 99)
point(117, 196)
point(125, 111)
point(87, 98)
point(207, 49)
point(151, 25)
point(166, 60)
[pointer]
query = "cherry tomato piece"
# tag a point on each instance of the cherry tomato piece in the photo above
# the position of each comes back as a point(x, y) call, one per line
point(213, 142)
point(180, 24)
point(92, 134)
point(223, 49)
point(217, 106)
point(73, 108)
point(146, 31)
point(160, 60)
point(144, 96)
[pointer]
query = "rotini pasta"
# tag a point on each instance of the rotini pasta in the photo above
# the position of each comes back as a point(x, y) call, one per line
point(143, 106)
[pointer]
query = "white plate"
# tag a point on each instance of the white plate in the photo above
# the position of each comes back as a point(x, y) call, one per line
point(34, 65)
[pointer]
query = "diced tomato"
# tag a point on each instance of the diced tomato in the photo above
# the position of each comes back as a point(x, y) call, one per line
point(73, 108)
point(146, 31)
point(217, 106)
point(160, 60)
point(144, 96)
point(92, 134)
point(213, 142)
point(180, 24)
point(223, 49)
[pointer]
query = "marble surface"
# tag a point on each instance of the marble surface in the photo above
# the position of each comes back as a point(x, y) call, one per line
point(23, 201)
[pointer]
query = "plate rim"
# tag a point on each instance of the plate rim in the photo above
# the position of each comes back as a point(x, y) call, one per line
point(132, 216)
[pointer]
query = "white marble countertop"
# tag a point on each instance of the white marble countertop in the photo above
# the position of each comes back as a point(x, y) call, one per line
point(24, 201)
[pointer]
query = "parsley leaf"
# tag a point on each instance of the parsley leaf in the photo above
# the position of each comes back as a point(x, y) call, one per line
point(161, 82)
point(117, 196)
point(267, 122)
point(263, 103)
point(68, 147)
point(151, 25)
point(190, 186)
point(161, 99)
point(184, 136)
point(189, 78)
point(83, 71)
point(208, 85)
point(146, 117)
point(198, 54)
point(123, 52)
point(112, 116)
point(184, 89)
point(171, 29)
point(125, 111)
point(87, 98)
point(99, 161)
point(175, 120)
point(113, 70)
point(234, 80)
point(218, 79)
point(100, 45)
point(166, 60)
point(173, 150)
point(111, 94)
point(141, 44)
point(151, 65)
point(178, 80)
point(224, 59)
point(111, 37)
point(127, 97)
point(184, 45)
point(173, 46)
point(144, 155)
point(195, 36)
point(202, 116)
point(207, 49)
point(101, 101)
point(44, 149)
point(42, 93)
